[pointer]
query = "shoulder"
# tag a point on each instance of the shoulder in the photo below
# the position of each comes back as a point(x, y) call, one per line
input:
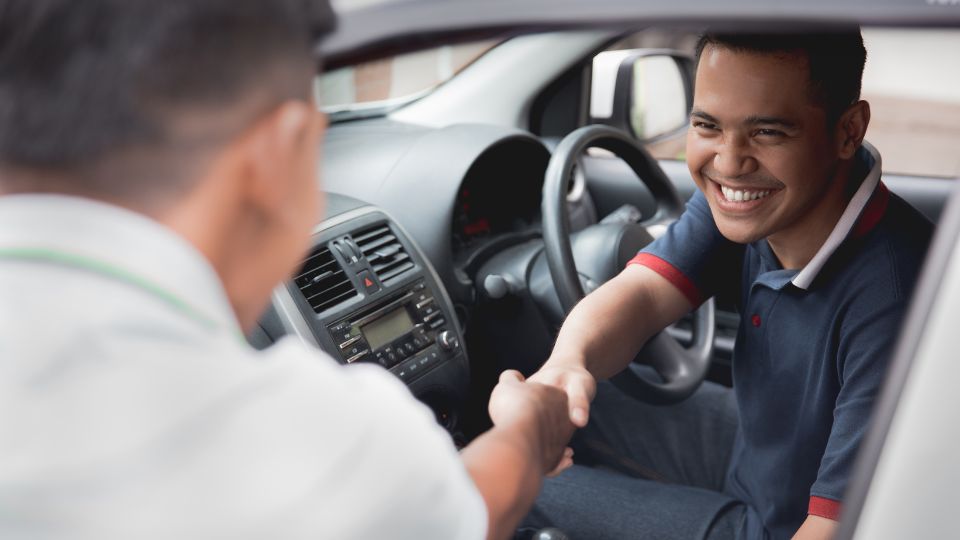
point(874, 275)
point(890, 257)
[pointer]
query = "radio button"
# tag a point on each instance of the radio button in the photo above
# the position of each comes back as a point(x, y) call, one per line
point(448, 340)
point(428, 301)
point(349, 342)
point(437, 323)
point(357, 356)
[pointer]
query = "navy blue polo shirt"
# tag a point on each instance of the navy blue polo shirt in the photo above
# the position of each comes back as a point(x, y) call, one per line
point(812, 347)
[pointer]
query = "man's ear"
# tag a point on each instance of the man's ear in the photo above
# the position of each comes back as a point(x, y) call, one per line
point(851, 129)
point(275, 148)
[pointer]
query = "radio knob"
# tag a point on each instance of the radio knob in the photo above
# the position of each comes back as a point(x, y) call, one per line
point(447, 340)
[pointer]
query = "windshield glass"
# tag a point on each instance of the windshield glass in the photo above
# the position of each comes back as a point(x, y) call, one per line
point(373, 87)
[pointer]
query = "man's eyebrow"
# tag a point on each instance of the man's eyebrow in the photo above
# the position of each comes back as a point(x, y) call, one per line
point(697, 113)
point(768, 121)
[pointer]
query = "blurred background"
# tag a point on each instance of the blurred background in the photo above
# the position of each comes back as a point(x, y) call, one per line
point(911, 81)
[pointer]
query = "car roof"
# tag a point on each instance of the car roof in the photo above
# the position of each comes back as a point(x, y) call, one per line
point(369, 29)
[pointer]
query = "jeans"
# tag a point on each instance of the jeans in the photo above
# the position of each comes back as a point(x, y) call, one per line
point(646, 471)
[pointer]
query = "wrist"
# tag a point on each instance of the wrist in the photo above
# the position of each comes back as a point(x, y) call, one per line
point(566, 360)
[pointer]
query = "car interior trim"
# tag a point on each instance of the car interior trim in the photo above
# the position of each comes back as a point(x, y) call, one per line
point(914, 327)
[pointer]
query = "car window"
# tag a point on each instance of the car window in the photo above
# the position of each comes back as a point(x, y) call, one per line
point(913, 87)
point(372, 86)
point(911, 84)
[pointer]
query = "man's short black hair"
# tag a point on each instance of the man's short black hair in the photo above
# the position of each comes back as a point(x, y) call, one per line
point(836, 59)
point(84, 81)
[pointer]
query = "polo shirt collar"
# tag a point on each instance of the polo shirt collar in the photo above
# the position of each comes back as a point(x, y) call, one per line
point(862, 214)
point(125, 242)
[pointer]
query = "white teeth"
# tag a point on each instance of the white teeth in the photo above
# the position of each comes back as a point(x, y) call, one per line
point(738, 195)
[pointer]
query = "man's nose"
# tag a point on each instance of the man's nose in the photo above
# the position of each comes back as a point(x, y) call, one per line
point(734, 158)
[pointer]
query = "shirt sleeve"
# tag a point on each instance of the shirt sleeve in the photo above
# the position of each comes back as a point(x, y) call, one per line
point(864, 351)
point(693, 255)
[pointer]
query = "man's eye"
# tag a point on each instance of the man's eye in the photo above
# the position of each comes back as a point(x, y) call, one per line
point(770, 133)
point(704, 125)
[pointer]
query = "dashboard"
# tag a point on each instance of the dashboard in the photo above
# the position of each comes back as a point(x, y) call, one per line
point(384, 281)
point(499, 195)
point(366, 294)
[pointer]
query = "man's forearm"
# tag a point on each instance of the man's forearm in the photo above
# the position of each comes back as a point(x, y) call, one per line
point(606, 329)
point(507, 471)
point(816, 528)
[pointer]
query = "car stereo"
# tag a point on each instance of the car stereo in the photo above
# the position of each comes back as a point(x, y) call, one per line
point(405, 332)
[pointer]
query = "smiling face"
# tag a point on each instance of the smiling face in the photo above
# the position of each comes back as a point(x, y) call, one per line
point(760, 148)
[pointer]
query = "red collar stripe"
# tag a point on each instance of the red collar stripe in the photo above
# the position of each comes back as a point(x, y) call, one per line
point(873, 212)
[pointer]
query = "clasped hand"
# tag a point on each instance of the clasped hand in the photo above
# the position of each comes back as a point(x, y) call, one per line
point(553, 401)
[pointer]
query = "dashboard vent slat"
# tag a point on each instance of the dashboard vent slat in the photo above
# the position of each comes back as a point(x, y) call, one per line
point(384, 252)
point(323, 282)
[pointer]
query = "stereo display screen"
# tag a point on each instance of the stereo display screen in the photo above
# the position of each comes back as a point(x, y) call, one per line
point(387, 328)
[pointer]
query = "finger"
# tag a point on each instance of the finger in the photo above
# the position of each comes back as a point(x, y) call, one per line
point(564, 464)
point(566, 461)
point(579, 403)
point(511, 375)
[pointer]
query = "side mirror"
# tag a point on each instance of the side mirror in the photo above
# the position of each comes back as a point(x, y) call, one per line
point(645, 92)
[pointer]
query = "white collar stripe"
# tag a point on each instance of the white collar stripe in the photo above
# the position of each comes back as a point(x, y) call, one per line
point(847, 221)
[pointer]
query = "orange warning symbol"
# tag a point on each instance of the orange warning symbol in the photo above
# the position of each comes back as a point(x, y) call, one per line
point(367, 282)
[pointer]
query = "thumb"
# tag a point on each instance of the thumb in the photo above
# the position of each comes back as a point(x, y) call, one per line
point(511, 375)
point(579, 403)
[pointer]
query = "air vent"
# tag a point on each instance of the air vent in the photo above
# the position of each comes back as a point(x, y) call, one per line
point(323, 282)
point(384, 252)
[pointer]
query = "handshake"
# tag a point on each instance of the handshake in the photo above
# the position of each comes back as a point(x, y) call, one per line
point(533, 420)
point(544, 410)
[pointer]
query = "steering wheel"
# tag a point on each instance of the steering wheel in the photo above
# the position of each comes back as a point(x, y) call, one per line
point(681, 369)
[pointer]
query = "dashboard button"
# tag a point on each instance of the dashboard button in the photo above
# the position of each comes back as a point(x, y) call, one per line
point(349, 342)
point(448, 340)
point(357, 356)
point(368, 282)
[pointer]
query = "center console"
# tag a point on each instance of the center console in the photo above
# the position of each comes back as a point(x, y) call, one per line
point(366, 295)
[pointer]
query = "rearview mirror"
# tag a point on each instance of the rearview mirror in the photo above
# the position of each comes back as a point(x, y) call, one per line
point(645, 92)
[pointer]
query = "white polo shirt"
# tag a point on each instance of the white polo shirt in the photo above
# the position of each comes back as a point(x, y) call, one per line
point(131, 407)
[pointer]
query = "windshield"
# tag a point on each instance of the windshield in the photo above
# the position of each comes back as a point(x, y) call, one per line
point(373, 88)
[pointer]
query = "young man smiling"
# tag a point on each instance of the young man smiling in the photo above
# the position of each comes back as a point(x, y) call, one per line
point(792, 223)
